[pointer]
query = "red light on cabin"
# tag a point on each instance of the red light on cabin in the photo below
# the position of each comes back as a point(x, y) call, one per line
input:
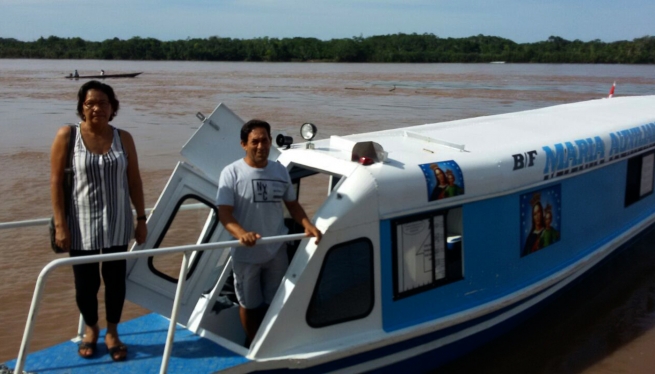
point(366, 161)
point(368, 153)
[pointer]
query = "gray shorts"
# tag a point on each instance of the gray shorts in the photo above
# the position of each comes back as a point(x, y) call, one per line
point(256, 284)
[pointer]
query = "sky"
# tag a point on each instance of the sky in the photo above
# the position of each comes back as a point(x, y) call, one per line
point(522, 21)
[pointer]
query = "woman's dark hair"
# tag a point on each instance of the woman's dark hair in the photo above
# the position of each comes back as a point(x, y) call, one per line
point(104, 88)
point(251, 125)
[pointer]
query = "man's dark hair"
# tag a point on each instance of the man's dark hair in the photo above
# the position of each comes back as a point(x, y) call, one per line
point(104, 88)
point(251, 125)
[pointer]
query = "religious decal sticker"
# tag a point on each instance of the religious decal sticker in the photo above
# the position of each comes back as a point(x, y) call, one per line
point(444, 179)
point(540, 219)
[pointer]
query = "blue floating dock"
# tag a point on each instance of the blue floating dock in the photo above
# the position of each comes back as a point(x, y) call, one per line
point(145, 338)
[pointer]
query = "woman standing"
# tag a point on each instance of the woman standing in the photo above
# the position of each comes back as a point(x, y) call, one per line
point(99, 217)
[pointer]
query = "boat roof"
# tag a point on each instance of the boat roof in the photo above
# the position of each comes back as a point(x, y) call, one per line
point(495, 154)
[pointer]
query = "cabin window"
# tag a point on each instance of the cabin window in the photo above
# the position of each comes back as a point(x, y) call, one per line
point(639, 183)
point(317, 185)
point(189, 224)
point(426, 254)
point(344, 290)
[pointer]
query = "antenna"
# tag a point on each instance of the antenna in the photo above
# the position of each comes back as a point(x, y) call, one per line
point(612, 90)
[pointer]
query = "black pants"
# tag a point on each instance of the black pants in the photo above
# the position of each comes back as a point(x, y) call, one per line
point(87, 285)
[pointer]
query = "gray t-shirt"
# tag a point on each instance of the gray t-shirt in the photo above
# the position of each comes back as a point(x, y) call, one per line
point(257, 196)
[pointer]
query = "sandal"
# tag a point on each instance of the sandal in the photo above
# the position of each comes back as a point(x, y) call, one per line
point(119, 349)
point(89, 347)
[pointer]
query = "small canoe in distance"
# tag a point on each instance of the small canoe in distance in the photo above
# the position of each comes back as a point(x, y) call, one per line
point(128, 75)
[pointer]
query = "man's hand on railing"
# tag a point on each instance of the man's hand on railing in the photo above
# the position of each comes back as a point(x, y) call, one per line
point(249, 238)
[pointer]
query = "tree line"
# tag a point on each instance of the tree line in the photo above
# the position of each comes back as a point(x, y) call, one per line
point(383, 48)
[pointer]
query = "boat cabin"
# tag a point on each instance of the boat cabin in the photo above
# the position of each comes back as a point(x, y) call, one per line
point(432, 234)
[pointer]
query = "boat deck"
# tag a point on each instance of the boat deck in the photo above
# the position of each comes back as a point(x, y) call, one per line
point(145, 337)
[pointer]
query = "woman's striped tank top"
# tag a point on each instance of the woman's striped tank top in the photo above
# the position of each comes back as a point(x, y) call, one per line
point(100, 212)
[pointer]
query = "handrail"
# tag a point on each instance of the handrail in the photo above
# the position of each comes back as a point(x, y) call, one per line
point(40, 283)
point(45, 221)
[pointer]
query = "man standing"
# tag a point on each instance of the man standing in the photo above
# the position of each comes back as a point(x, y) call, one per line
point(250, 195)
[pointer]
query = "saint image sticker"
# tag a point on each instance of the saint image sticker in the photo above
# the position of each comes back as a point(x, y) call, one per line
point(443, 179)
point(540, 219)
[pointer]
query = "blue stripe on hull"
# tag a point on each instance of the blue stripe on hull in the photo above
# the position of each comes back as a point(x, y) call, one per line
point(436, 357)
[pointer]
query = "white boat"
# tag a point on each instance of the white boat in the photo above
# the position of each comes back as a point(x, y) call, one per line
point(437, 238)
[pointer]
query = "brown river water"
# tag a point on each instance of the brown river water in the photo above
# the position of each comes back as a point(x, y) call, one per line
point(603, 324)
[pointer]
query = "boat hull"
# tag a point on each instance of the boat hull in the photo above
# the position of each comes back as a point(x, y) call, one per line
point(145, 336)
point(435, 349)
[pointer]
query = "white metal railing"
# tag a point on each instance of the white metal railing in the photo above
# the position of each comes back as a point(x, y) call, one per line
point(45, 221)
point(187, 249)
